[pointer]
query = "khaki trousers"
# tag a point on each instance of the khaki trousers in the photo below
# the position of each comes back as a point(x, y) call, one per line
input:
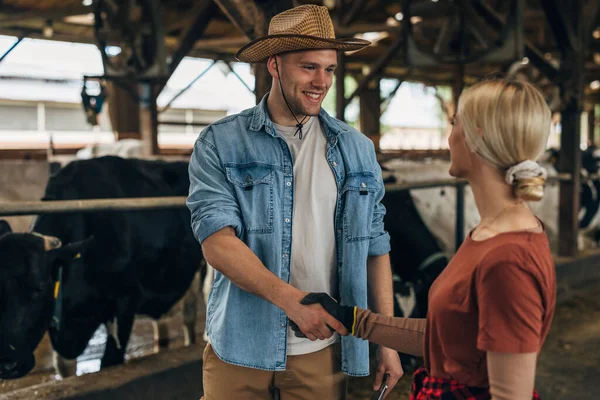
point(313, 376)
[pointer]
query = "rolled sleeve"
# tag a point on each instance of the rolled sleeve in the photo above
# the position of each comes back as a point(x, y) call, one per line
point(379, 243)
point(211, 200)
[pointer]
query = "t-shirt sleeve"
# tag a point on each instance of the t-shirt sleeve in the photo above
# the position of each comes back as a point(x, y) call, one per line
point(510, 307)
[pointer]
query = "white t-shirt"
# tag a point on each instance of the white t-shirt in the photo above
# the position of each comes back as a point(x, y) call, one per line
point(313, 258)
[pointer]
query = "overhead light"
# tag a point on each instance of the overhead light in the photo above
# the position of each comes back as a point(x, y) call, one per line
point(87, 3)
point(415, 20)
point(596, 57)
point(548, 56)
point(399, 16)
point(112, 51)
point(47, 30)
point(596, 33)
point(595, 85)
point(525, 61)
point(392, 22)
point(366, 70)
point(435, 1)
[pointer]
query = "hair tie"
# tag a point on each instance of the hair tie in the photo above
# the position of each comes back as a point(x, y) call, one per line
point(527, 169)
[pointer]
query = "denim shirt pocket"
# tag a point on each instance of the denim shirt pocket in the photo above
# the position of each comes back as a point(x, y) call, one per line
point(359, 193)
point(253, 185)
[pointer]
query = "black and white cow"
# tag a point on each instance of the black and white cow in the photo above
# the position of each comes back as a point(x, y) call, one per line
point(138, 262)
point(29, 265)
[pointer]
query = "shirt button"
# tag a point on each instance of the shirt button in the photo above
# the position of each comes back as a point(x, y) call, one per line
point(287, 220)
point(339, 230)
point(285, 255)
point(332, 140)
point(334, 164)
point(288, 183)
point(283, 325)
point(363, 185)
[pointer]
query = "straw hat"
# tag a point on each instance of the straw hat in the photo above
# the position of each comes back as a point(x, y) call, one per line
point(300, 28)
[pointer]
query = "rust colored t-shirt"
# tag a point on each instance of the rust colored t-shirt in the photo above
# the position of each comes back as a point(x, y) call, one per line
point(495, 295)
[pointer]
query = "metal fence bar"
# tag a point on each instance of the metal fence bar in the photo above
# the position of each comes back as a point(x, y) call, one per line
point(66, 206)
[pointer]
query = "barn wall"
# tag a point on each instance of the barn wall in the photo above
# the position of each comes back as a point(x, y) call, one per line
point(20, 181)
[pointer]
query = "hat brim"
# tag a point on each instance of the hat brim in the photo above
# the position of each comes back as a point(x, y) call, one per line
point(262, 48)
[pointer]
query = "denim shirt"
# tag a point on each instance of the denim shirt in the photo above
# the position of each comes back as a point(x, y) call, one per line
point(241, 175)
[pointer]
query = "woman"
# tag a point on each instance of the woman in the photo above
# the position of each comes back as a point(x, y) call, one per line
point(491, 308)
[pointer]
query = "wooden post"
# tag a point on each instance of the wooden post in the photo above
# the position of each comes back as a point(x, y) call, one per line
point(124, 111)
point(592, 138)
point(149, 118)
point(568, 29)
point(370, 103)
point(340, 88)
point(458, 86)
point(263, 81)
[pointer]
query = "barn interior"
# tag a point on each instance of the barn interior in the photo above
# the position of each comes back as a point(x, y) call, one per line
point(443, 45)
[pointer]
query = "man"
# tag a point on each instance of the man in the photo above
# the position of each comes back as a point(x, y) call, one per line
point(285, 200)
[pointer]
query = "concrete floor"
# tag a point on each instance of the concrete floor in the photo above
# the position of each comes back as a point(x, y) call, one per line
point(568, 367)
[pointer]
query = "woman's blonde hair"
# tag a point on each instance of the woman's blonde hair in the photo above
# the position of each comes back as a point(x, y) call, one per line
point(507, 122)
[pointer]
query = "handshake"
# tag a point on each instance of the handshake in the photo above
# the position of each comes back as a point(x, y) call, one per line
point(346, 315)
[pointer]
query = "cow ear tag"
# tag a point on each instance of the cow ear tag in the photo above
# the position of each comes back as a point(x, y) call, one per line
point(57, 300)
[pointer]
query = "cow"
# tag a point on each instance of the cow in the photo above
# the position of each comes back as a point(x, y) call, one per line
point(137, 262)
point(29, 265)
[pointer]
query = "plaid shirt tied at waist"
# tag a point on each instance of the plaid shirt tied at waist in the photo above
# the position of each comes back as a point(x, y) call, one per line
point(425, 387)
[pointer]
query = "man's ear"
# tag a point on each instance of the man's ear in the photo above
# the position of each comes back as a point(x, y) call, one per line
point(4, 227)
point(273, 65)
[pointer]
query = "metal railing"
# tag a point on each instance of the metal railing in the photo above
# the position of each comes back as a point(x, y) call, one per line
point(156, 203)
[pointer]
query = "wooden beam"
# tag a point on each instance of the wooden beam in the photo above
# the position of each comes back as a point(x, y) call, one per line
point(52, 13)
point(536, 57)
point(376, 69)
point(204, 11)
point(560, 26)
point(592, 138)
point(241, 13)
point(572, 89)
point(357, 6)
point(370, 111)
point(149, 118)
point(340, 87)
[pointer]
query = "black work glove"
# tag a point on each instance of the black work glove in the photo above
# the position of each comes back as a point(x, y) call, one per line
point(344, 314)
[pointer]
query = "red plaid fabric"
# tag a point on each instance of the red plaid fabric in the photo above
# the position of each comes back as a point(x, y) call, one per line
point(425, 387)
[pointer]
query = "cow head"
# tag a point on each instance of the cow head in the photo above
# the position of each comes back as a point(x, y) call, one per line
point(28, 268)
point(79, 307)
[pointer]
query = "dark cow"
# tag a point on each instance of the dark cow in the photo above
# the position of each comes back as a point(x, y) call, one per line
point(29, 265)
point(138, 262)
point(416, 257)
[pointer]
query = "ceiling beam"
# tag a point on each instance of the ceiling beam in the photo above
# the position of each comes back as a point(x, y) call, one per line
point(56, 13)
point(559, 24)
point(204, 12)
point(534, 54)
point(241, 13)
point(357, 6)
point(377, 67)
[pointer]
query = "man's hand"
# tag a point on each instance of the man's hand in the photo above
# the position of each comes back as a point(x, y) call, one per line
point(312, 320)
point(388, 362)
